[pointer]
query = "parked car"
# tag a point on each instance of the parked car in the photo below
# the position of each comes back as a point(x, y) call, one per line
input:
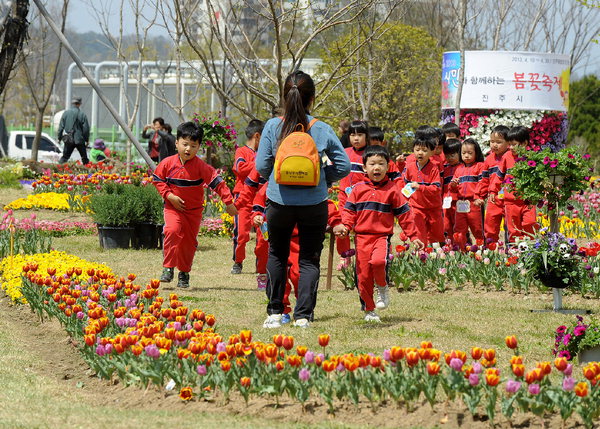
point(17, 145)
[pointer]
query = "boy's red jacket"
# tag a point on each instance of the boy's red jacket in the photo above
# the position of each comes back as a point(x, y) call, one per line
point(357, 173)
point(252, 184)
point(188, 180)
point(468, 177)
point(429, 194)
point(243, 164)
point(503, 178)
point(372, 207)
point(490, 169)
point(447, 175)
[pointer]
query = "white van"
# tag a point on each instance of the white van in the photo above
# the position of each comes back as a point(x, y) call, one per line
point(18, 146)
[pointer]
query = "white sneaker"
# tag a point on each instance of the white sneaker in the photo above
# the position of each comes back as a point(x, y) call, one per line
point(272, 321)
point(302, 323)
point(371, 316)
point(383, 297)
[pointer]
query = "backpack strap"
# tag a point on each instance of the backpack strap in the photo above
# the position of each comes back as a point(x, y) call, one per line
point(311, 123)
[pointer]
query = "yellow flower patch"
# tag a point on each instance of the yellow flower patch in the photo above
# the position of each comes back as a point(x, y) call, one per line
point(46, 200)
point(11, 269)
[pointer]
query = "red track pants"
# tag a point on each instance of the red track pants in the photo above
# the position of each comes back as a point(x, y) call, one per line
point(494, 212)
point(181, 238)
point(469, 221)
point(371, 266)
point(429, 224)
point(520, 219)
point(293, 274)
point(242, 225)
point(450, 220)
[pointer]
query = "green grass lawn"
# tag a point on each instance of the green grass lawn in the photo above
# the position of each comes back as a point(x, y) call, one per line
point(457, 319)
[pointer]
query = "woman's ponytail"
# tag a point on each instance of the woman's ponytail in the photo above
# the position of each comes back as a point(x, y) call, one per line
point(298, 93)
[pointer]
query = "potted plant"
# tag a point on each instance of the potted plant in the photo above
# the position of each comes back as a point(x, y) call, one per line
point(552, 259)
point(544, 177)
point(147, 206)
point(580, 339)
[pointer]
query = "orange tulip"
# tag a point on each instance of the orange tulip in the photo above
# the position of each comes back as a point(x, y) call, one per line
point(492, 379)
point(426, 345)
point(589, 372)
point(412, 358)
point(546, 367)
point(137, 349)
point(375, 361)
point(433, 368)
point(278, 340)
point(210, 320)
point(476, 353)
point(511, 342)
point(489, 354)
point(225, 365)
point(328, 365)
point(245, 382)
point(294, 360)
point(324, 340)
point(246, 336)
point(90, 339)
point(185, 393)
point(581, 389)
point(288, 342)
point(518, 369)
point(396, 353)
point(280, 365)
point(301, 350)
point(516, 360)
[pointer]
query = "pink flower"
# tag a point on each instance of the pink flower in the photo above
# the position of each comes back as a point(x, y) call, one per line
point(201, 369)
point(531, 163)
point(513, 386)
point(304, 374)
point(546, 160)
point(473, 379)
point(456, 364)
point(568, 383)
point(534, 389)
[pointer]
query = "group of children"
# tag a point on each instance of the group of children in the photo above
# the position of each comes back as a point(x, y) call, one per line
point(438, 193)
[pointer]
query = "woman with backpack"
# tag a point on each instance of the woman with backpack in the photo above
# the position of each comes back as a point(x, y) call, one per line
point(300, 158)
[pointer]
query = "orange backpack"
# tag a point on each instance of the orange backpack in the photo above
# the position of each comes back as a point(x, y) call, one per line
point(297, 161)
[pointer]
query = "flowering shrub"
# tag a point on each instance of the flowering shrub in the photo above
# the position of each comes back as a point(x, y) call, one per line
point(569, 341)
point(61, 263)
point(548, 129)
point(217, 132)
point(131, 332)
point(552, 177)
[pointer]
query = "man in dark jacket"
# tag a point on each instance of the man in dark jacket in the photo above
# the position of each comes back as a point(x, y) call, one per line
point(74, 131)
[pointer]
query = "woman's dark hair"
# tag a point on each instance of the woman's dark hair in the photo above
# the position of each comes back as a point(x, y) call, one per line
point(298, 93)
point(518, 134)
point(160, 120)
point(375, 150)
point(190, 130)
point(501, 130)
point(478, 153)
point(360, 127)
point(451, 146)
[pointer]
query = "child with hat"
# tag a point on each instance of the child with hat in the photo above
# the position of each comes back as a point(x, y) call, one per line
point(99, 151)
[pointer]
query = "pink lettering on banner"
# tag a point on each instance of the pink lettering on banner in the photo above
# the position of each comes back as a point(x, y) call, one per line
point(519, 80)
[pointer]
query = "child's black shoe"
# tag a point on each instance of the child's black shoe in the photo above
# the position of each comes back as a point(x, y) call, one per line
point(183, 280)
point(167, 275)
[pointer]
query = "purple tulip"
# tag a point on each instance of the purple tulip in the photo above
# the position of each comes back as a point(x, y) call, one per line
point(201, 369)
point(512, 386)
point(473, 379)
point(477, 368)
point(221, 347)
point(534, 389)
point(304, 374)
point(568, 383)
point(456, 364)
point(309, 357)
point(386, 354)
point(568, 370)
point(100, 351)
point(152, 351)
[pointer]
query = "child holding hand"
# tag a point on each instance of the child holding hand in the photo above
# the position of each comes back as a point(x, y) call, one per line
point(370, 211)
point(180, 179)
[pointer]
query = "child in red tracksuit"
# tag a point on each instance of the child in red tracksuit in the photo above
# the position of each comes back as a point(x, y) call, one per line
point(520, 216)
point(253, 183)
point(463, 186)
point(293, 272)
point(423, 187)
point(242, 166)
point(452, 155)
point(494, 210)
point(370, 211)
point(180, 180)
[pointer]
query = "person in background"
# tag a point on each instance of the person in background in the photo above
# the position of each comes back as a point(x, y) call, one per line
point(74, 131)
point(289, 206)
point(452, 155)
point(451, 130)
point(150, 132)
point(99, 151)
point(166, 142)
point(343, 129)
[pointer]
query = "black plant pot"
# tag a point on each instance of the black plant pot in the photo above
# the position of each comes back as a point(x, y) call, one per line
point(550, 279)
point(145, 236)
point(115, 237)
point(160, 235)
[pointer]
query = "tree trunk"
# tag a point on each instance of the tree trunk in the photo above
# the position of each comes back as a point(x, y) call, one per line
point(14, 31)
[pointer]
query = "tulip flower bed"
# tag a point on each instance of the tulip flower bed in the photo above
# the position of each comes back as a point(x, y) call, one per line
point(16, 239)
point(60, 263)
point(49, 200)
point(489, 267)
point(130, 332)
point(86, 183)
